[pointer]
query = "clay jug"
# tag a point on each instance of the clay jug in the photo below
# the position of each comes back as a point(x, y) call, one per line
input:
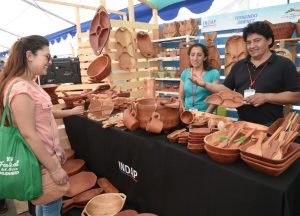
point(130, 120)
point(154, 125)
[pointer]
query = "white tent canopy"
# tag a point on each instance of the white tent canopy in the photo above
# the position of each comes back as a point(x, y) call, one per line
point(25, 17)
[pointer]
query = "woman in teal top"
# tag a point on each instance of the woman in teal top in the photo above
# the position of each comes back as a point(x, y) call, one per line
point(192, 96)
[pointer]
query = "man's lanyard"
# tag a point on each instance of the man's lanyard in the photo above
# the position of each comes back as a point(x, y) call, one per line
point(252, 81)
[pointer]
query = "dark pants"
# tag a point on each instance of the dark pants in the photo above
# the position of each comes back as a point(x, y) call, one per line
point(2, 203)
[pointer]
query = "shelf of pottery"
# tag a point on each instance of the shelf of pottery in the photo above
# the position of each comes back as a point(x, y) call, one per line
point(172, 48)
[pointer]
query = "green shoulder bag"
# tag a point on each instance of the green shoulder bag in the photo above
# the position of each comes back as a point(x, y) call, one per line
point(20, 172)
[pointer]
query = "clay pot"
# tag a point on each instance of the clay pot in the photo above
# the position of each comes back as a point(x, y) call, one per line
point(81, 182)
point(144, 44)
point(154, 125)
point(146, 106)
point(130, 120)
point(100, 68)
point(105, 204)
point(187, 117)
point(99, 30)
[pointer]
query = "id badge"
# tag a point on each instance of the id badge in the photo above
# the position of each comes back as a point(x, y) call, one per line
point(249, 92)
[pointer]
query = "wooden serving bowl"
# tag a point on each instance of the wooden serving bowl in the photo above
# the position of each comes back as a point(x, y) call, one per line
point(105, 204)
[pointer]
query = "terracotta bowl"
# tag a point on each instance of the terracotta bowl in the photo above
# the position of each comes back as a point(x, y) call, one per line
point(187, 117)
point(105, 204)
point(209, 140)
point(292, 150)
point(100, 68)
point(270, 170)
point(222, 158)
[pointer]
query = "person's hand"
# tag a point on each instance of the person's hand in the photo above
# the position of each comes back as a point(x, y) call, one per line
point(181, 106)
point(198, 80)
point(78, 110)
point(61, 154)
point(256, 100)
point(59, 176)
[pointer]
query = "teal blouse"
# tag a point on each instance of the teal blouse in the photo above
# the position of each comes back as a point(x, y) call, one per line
point(200, 93)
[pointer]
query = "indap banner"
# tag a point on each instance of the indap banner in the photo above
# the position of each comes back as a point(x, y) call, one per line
point(238, 20)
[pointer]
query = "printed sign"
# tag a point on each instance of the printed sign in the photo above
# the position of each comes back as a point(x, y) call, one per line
point(238, 20)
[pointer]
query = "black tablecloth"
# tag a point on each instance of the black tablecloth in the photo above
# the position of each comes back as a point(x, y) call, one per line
point(165, 178)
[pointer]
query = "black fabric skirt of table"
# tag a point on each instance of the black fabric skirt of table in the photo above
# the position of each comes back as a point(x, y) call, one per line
point(171, 181)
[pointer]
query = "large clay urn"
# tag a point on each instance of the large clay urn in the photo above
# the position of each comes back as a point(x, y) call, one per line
point(146, 106)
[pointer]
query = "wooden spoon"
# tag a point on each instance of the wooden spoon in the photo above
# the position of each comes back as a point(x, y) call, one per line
point(257, 148)
point(243, 138)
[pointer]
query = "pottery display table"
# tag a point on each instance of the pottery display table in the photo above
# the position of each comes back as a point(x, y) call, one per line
point(165, 178)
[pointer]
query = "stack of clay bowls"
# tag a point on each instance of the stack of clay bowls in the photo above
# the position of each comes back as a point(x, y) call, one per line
point(183, 138)
point(271, 155)
point(99, 30)
point(50, 89)
point(100, 68)
point(125, 48)
point(173, 137)
point(227, 98)
point(196, 139)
